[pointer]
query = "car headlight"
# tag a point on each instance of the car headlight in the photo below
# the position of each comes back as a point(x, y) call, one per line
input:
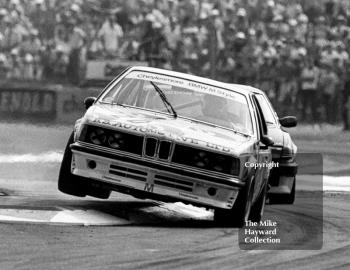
point(98, 136)
point(201, 160)
point(218, 164)
point(116, 141)
point(235, 167)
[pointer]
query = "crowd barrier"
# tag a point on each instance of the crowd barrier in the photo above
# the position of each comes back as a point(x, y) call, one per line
point(34, 102)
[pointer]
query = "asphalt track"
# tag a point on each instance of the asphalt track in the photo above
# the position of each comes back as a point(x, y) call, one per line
point(150, 235)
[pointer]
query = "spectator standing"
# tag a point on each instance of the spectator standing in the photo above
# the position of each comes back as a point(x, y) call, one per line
point(76, 41)
point(15, 65)
point(4, 65)
point(47, 61)
point(328, 83)
point(12, 35)
point(94, 43)
point(346, 98)
point(111, 34)
point(48, 20)
point(37, 16)
point(30, 48)
point(154, 41)
point(341, 54)
point(328, 54)
point(308, 90)
point(61, 40)
point(61, 62)
point(3, 15)
point(172, 33)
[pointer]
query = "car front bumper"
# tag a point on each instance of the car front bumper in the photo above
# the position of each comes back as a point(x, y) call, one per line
point(154, 179)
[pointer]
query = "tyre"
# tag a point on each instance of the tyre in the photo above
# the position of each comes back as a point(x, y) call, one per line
point(240, 212)
point(257, 211)
point(67, 182)
point(283, 198)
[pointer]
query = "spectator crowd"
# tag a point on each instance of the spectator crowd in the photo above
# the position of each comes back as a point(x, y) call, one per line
point(295, 50)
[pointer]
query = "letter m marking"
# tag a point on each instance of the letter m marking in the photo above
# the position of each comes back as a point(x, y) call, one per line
point(149, 187)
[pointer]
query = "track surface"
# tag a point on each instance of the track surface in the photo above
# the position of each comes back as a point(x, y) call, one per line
point(163, 238)
point(146, 234)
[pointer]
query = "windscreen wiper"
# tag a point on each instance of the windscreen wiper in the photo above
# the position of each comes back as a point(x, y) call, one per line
point(164, 99)
point(235, 130)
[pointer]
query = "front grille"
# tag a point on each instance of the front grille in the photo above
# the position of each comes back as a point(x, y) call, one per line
point(164, 149)
point(151, 147)
point(128, 172)
point(113, 139)
point(206, 160)
point(157, 149)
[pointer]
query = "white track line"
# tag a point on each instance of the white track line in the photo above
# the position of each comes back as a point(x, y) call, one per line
point(62, 217)
point(330, 183)
point(46, 157)
point(4, 218)
point(339, 183)
point(87, 218)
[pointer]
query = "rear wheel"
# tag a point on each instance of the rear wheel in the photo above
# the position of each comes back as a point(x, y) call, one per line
point(283, 198)
point(240, 212)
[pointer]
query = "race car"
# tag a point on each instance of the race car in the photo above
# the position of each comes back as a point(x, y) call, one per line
point(282, 180)
point(169, 136)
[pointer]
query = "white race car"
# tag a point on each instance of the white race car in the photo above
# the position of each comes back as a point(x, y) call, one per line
point(170, 136)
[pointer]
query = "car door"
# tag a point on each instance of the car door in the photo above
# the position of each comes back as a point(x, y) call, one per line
point(264, 152)
point(273, 128)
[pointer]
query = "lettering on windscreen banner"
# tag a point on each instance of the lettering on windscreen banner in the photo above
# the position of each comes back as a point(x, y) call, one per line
point(187, 84)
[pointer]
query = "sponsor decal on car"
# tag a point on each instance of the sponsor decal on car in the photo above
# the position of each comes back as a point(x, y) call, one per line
point(155, 131)
point(195, 86)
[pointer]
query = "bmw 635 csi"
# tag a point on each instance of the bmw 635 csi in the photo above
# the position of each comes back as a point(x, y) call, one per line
point(170, 136)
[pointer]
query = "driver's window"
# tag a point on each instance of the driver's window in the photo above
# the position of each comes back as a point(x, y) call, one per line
point(261, 119)
point(266, 110)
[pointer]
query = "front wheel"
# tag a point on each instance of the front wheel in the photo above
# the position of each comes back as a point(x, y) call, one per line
point(240, 212)
point(67, 182)
point(257, 210)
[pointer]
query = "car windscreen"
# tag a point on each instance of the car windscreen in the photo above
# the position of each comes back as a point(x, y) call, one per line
point(188, 99)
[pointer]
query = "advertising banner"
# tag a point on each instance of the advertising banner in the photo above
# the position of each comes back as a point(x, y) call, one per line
point(27, 102)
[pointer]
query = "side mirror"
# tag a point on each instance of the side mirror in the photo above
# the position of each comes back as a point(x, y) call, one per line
point(267, 141)
point(89, 101)
point(288, 121)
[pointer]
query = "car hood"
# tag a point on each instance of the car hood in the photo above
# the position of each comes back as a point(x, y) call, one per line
point(175, 129)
